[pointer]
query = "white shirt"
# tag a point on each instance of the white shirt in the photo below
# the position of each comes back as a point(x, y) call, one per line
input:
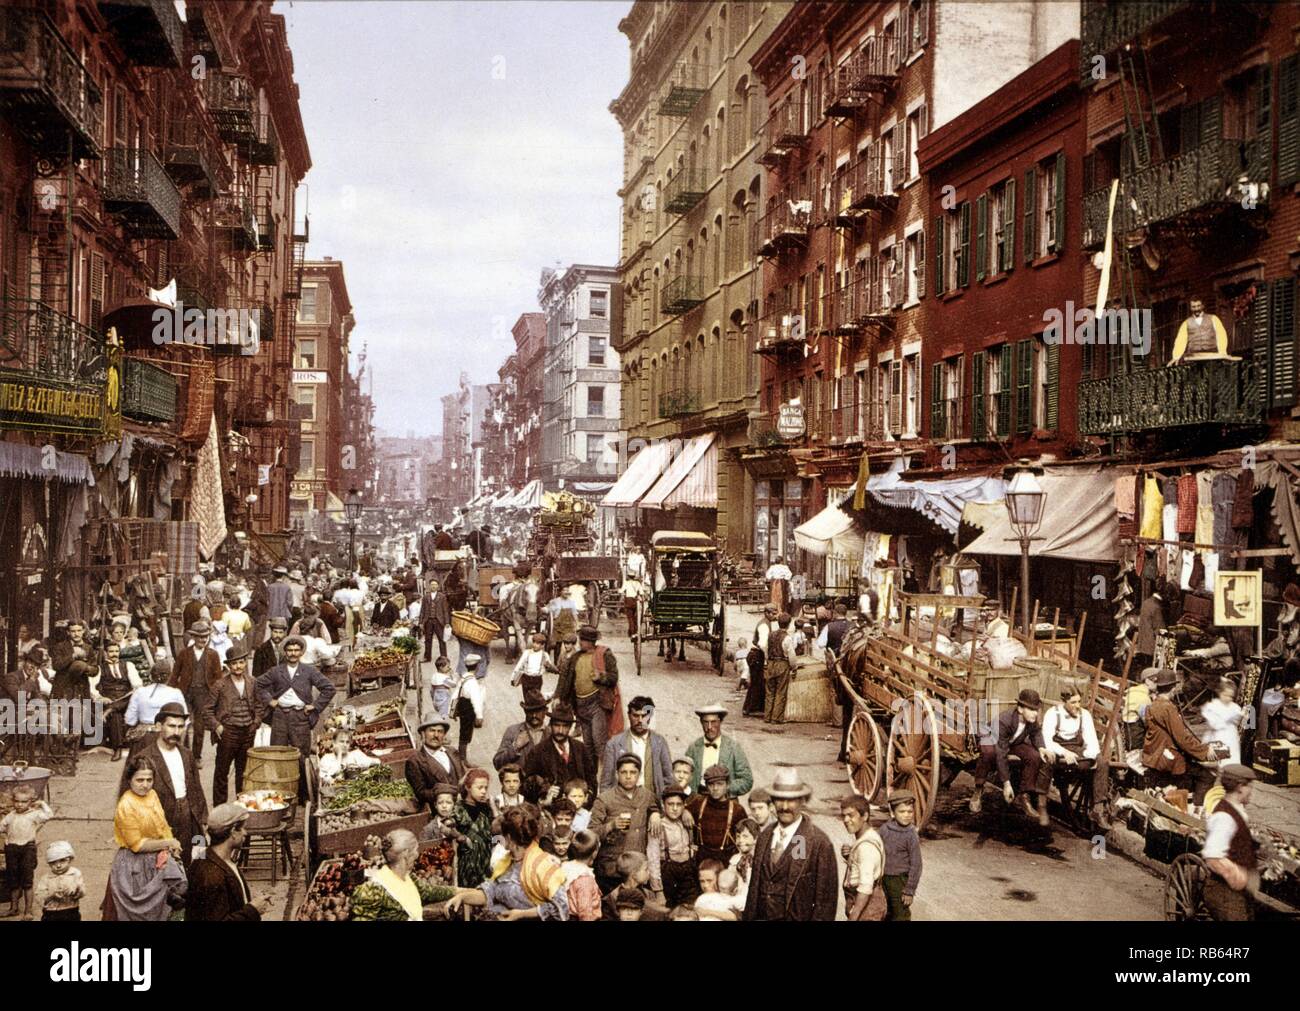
point(439, 756)
point(175, 769)
point(779, 571)
point(782, 835)
point(637, 746)
point(1058, 719)
point(1219, 830)
point(290, 699)
point(710, 755)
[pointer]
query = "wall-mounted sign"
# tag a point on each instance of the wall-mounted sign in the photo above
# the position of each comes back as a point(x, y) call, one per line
point(34, 404)
point(789, 424)
point(310, 376)
point(1237, 598)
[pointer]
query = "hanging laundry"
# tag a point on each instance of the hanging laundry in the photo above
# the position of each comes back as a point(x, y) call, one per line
point(1187, 504)
point(1204, 532)
point(1153, 504)
point(1243, 505)
point(1186, 563)
point(1126, 495)
point(1169, 528)
point(1224, 495)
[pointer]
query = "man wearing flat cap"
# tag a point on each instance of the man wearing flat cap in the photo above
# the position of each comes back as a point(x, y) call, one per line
point(795, 876)
point(560, 758)
point(233, 715)
point(196, 673)
point(1169, 743)
point(268, 654)
point(1229, 851)
point(589, 686)
point(296, 694)
point(217, 889)
point(622, 818)
point(433, 764)
point(521, 738)
point(1019, 732)
point(715, 748)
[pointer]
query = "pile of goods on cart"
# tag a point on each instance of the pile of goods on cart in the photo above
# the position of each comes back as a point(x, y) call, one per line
point(329, 896)
point(350, 809)
point(567, 519)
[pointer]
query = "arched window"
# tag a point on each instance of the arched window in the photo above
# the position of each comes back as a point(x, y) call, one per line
point(705, 162)
point(717, 249)
point(721, 132)
point(700, 363)
point(704, 252)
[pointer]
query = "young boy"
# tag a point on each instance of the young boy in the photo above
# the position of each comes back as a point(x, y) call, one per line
point(19, 827)
point(563, 815)
point(630, 905)
point(512, 777)
point(671, 852)
point(742, 663)
point(58, 894)
point(577, 793)
point(579, 879)
point(902, 856)
point(760, 808)
point(865, 858)
point(532, 663)
point(634, 873)
point(683, 770)
point(441, 684)
point(715, 903)
point(742, 861)
point(684, 913)
point(442, 826)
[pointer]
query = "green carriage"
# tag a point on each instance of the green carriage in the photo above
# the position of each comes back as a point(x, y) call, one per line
point(686, 594)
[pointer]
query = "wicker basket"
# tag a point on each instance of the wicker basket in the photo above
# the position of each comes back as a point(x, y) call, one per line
point(473, 628)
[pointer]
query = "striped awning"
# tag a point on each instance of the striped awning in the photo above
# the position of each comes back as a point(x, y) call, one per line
point(640, 476)
point(690, 480)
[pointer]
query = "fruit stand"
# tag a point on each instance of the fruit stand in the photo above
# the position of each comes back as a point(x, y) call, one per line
point(330, 889)
point(385, 661)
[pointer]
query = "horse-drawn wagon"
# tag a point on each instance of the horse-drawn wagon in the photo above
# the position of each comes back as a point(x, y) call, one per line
point(686, 599)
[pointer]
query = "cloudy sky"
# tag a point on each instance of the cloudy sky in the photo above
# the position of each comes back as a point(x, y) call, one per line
point(457, 149)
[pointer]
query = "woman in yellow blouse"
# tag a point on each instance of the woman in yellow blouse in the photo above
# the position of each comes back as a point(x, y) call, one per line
point(146, 881)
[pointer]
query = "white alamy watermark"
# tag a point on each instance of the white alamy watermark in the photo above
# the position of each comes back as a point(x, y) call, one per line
point(35, 714)
point(75, 964)
point(213, 327)
point(1082, 325)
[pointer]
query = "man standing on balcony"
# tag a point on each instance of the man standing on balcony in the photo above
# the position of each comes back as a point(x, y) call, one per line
point(1201, 336)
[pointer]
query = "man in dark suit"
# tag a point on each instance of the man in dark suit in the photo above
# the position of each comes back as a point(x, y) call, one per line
point(433, 764)
point(385, 613)
point(795, 876)
point(1020, 733)
point(217, 890)
point(435, 616)
point(296, 692)
point(520, 738)
point(196, 673)
point(175, 778)
point(560, 759)
point(233, 716)
point(268, 654)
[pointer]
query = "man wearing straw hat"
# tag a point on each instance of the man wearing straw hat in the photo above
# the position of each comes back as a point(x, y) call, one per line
point(233, 714)
point(795, 876)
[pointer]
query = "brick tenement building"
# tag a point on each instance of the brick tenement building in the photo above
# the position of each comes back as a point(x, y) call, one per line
point(526, 412)
point(1197, 114)
point(846, 228)
point(1005, 186)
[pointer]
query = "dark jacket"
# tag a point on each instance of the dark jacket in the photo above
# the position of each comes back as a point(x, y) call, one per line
point(545, 761)
point(565, 691)
point(265, 657)
point(225, 698)
point(276, 682)
point(214, 893)
point(195, 678)
point(507, 752)
point(902, 853)
point(1168, 731)
point(1032, 735)
point(424, 772)
point(385, 614)
point(162, 784)
point(435, 612)
point(279, 600)
point(802, 886)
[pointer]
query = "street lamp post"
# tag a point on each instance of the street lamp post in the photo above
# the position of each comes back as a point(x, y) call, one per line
point(352, 509)
point(1025, 503)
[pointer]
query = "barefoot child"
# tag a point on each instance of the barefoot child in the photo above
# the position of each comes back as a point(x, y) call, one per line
point(19, 827)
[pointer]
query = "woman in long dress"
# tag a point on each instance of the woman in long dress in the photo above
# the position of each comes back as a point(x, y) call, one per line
point(1223, 717)
point(146, 881)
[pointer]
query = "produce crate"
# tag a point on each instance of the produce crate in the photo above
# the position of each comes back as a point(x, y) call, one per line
point(1285, 890)
point(1165, 844)
point(389, 690)
point(352, 839)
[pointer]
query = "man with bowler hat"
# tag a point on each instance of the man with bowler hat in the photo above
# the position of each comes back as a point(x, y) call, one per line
point(233, 715)
point(561, 758)
point(795, 876)
point(196, 673)
point(1020, 733)
point(520, 738)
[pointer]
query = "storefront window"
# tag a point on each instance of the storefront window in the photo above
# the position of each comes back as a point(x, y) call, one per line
point(778, 509)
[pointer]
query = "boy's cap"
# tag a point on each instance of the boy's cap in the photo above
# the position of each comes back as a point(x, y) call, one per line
point(690, 762)
point(627, 758)
point(59, 850)
point(630, 898)
point(901, 797)
point(716, 772)
point(449, 789)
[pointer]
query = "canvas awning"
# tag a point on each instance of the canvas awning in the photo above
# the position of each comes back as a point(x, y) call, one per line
point(940, 501)
point(690, 480)
point(1079, 519)
point(831, 531)
point(641, 474)
point(529, 497)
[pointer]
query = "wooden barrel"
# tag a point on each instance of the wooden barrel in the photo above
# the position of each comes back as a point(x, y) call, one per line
point(272, 768)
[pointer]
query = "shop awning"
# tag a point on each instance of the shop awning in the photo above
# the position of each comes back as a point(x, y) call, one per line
point(940, 501)
point(529, 497)
point(641, 474)
point(831, 531)
point(1079, 520)
point(19, 460)
point(690, 480)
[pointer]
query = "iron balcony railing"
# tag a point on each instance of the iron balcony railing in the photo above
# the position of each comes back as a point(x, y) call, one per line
point(190, 159)
point(1215, 176)
point(231, 102)
point(861, 187)
point(684, 190)
point(682, 294)
point(265, 230)
point(846, 308)
point(763, 432)
point(36, 338)
point(784, 131)
point(781, 331)
point(148, 391)
point(137, 187)
point(1108, 25)
point(47, 93)
point(677, 403)
point(1175, 396)
point(785, 225)
point(235, 215)
point(201, 287)
point(149, 31)
point(872, 70)
point(264, 149)
point(687, 83)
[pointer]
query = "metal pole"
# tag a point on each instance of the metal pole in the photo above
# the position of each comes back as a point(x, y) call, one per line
point(352, 546)
point(1024, 588)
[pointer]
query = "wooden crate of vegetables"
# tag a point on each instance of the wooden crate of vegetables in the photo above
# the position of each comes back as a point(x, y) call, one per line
point(373, 803)
point(391, 663)
point(329, 893)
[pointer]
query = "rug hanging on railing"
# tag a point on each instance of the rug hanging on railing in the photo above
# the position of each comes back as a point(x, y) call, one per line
point(207, 505)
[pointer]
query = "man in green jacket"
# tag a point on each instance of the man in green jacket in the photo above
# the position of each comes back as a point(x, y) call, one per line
point(588, 685)
point(715, 749)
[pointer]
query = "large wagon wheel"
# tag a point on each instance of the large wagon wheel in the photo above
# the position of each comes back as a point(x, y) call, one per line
point(912, 759)
point(864, 752)
point(1185, 889)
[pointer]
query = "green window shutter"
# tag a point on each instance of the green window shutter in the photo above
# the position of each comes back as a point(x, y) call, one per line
point(977, 412)
point(963, 255)
point(1024, 386)
point(1060, 203)
point(1211, 119)
point(1282, 357)
point(1288, 120)
point(1009, 226)
point(981, 236)
point(1004, 394)
point(1031, 224)
point(936, 402)
point(1259, 333)
point(938, 254)
point(1051, 411)
point(920, 264)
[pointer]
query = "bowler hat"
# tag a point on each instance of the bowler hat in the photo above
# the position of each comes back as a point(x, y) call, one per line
point(1165, 677)
point(239, 651)
point(1029, 699)
point(172, 709)
point(533, 703)
point(433, 721)
point(562, 714)
point(588, 633)
point(787, 785)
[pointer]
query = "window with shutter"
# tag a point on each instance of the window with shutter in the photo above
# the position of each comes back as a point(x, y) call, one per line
point(981, 235)
point(938, 254)
point(1259, 330)
point(937, 429)
point(1211, 119)
point(1282, 346)
point(920, 264)
point(1004, 390)
point(1263, 101)
point(96, 290)
point(905, 29)
point(896, 396)
point(900, 154)
point(1030, 239)
point(898, 280)
point(1288, 120)
point(963, 254)
point(1008, 226)
point(978, 430)
point(1024, 386)
point(1058, 220)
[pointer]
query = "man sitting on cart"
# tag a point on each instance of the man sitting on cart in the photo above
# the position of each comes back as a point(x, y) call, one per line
point(1230, 852)
point(1071, 739)
point(1020, 733)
